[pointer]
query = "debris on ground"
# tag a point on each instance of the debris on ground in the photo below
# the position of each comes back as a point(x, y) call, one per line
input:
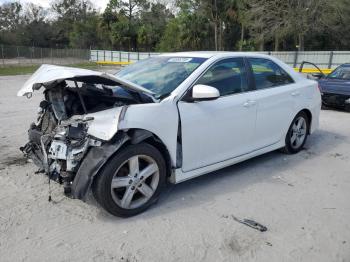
point(251, 223)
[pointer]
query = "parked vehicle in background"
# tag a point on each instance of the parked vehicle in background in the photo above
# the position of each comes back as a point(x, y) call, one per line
point(168, 118)
point(335, 87)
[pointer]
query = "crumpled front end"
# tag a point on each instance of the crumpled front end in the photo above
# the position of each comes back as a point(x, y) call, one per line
point(77, 116)
point(59, 147)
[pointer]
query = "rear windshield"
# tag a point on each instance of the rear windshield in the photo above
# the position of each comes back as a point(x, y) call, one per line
point(342, 72)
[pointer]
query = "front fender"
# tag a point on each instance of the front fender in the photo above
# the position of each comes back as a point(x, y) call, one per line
point(97, 157)
point(94, 160)
point(104, 124)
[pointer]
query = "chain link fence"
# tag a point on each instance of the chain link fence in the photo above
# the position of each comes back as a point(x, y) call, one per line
point(119, 56)
point(323, 59)
point(24, 55)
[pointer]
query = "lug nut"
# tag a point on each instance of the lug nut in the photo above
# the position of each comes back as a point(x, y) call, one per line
point(141, 177)
point(132, 188)
point(140, 185)
point(130, 181)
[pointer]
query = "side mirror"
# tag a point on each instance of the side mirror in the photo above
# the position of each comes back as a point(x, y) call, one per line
point(317, 75)
point(204, 93)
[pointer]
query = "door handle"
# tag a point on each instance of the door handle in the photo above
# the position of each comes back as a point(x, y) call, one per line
point(246, 104)
point(249, 103)
point(296, 93)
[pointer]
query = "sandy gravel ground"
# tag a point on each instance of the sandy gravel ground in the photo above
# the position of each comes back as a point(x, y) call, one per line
point(303, 199)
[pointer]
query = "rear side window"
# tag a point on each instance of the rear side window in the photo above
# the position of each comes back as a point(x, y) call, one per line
point(228, 76)
point(268, 74)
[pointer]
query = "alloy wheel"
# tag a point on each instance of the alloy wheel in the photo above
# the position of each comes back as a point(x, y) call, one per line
point(135, 181)
point(298, 133)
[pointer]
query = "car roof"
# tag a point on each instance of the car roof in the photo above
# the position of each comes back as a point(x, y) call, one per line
point(209, 54)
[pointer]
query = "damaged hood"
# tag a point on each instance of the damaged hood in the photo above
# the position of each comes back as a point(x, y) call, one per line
point(47, 75)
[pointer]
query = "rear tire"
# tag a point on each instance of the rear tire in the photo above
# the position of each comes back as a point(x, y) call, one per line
point(131, 181)
point(297, 134)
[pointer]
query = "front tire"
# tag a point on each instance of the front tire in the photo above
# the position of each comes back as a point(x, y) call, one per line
point(131, 181)
point(297, 134)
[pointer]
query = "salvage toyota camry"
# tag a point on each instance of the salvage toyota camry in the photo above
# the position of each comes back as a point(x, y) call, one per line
point(164, 119)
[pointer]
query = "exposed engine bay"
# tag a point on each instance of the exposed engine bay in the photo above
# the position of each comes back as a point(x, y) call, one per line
point(60, 138)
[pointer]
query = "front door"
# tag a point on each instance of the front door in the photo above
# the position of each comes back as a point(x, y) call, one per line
point(217, 130)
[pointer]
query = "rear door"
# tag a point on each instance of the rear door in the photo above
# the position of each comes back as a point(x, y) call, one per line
point(276, 95)
point(217, 130)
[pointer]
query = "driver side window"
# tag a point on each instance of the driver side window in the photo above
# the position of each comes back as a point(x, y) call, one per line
point(228, 76)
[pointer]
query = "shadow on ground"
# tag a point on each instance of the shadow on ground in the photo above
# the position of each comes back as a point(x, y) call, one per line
point(261, 169)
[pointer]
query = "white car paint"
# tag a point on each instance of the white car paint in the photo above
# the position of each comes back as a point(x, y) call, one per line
point(161, 119)
point(214, 133)
point(203, 91)
point(104, 124)
point(47, 74)
point(206, 147)
point(275, 109)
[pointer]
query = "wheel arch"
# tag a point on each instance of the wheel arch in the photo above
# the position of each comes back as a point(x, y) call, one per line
point(309, 116)
point(97, 158)
point(138, 135)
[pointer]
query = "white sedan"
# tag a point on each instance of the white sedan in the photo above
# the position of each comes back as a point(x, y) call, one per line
point(168, 118)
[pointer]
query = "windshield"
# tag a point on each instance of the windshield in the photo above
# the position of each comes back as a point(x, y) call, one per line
point(342, 72)
point(161, 74)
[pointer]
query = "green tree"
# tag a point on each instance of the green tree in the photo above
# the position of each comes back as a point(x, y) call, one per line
point(10, 15)
point(307, 16)
point(85, 33)
point(69, 12)
point(123, 18)
point(152, 25)
point(268, 20)
point(10, 21)
point(35, 30)
point(121, 33)
point(180, 25)
point(338, 25)
point(190, 30)
point(170, 40)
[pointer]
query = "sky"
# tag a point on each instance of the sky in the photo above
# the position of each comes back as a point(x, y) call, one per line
point(101, 4)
